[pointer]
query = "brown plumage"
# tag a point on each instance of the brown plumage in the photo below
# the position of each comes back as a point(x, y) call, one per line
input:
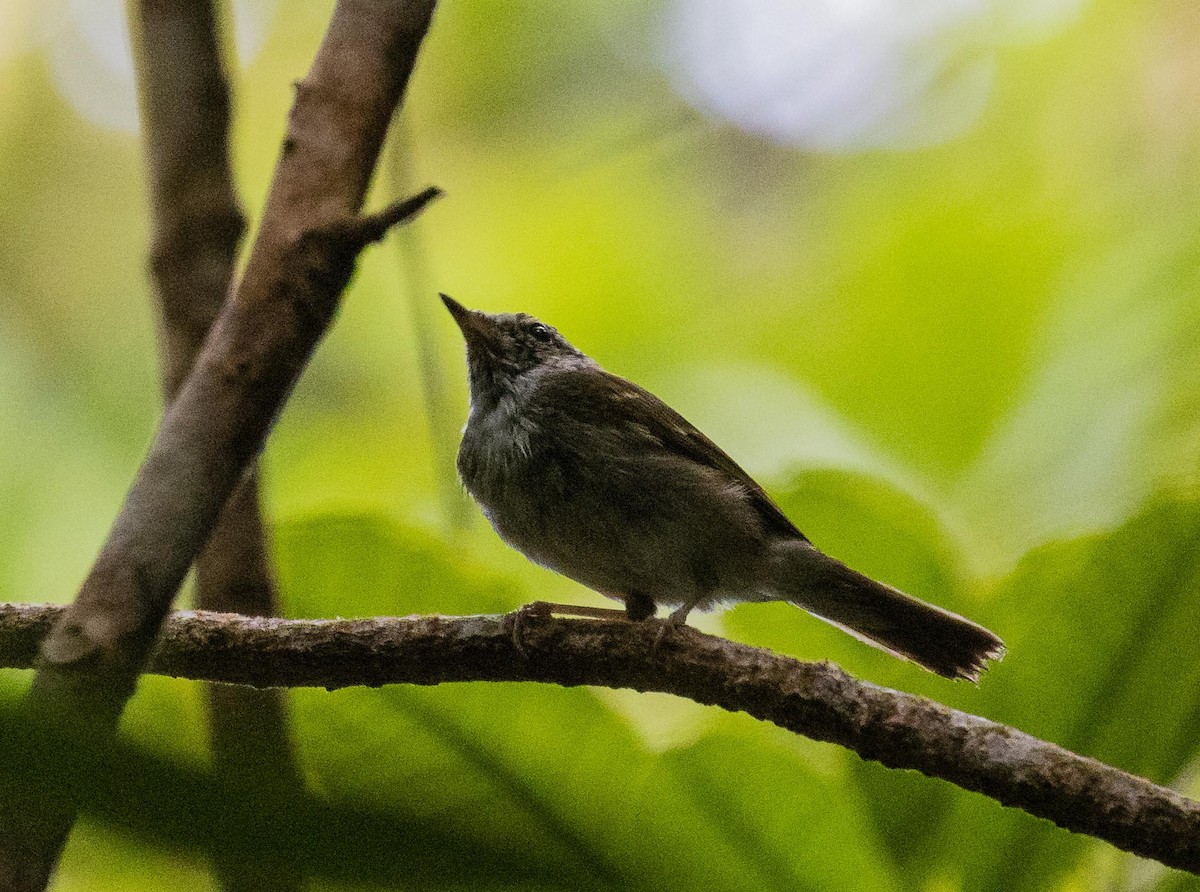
point(592, 476)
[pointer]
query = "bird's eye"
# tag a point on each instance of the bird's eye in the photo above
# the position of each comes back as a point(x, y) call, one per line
point(540, 332)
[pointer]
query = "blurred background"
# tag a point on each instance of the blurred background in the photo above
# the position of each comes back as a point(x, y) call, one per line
point(927, 268)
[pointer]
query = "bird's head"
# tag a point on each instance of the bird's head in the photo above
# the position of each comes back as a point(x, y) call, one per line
point(504, 348)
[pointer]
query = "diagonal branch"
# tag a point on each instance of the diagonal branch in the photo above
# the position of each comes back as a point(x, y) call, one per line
point(198, 225)
point(817, 700)
point(303, 256)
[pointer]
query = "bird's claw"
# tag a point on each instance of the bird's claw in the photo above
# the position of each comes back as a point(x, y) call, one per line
point(668, 628)
point(516, 621)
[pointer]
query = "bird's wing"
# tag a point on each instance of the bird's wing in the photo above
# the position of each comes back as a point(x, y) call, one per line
point(588, 394)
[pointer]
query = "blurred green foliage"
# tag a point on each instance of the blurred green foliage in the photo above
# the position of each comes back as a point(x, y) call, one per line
point(970, 370)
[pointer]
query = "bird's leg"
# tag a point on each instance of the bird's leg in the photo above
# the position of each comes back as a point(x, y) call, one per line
point(639, 606)
point(546, 609)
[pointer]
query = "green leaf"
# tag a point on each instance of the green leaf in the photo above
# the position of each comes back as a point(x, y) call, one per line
point(179, 806)
point(1112, 405)
point(1104, 659)
point(766, 817)
point(362, 564)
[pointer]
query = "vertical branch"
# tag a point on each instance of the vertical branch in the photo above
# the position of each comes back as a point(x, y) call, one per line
point(414, 266)
point(303, 257)
point(197, 225)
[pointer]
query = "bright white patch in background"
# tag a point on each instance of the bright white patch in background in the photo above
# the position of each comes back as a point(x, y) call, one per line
point(251, 25)
point(846, 75)
point(91, 60)
point(91, 57)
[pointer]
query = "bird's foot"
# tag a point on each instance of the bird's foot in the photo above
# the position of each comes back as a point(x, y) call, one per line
point(671, 625)
point(538, 610)
point(519, 617)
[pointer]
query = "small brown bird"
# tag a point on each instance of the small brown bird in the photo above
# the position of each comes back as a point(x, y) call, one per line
point(592, 476)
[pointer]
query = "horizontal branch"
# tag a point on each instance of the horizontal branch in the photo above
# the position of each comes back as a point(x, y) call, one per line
point(817, 700)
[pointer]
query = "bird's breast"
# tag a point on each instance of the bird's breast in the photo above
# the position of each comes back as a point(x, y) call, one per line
point(494, 455)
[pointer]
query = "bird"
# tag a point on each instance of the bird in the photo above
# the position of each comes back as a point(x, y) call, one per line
point(594, 477)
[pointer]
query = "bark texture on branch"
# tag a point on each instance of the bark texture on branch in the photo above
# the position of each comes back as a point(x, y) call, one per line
point(197, 226)
point(817, 700)
point(302, 258)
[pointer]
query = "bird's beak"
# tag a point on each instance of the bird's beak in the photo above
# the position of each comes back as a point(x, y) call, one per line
point(477, 328)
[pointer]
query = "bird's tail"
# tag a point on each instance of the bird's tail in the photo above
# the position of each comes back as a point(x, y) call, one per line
point(941, 641)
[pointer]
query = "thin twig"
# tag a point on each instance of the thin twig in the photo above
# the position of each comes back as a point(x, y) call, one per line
point(303, 257)
point(443, 423)
point(198, 225)
point(817, 700)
